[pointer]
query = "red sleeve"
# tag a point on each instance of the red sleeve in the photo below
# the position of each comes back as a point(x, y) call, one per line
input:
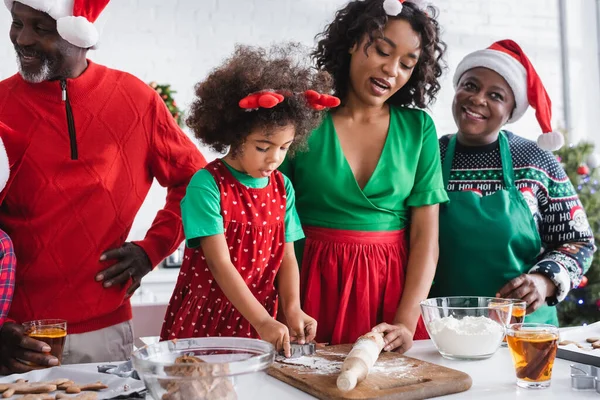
point(174, 160)
point(8, 262)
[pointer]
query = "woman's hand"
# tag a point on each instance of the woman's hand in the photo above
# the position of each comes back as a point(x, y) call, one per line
point(397, 336)
point(276, 333)
point(303, 327)
point(532, 288)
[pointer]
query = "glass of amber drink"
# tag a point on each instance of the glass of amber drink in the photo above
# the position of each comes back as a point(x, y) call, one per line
point(519, 309)
point(53, 332)
point(533, 350)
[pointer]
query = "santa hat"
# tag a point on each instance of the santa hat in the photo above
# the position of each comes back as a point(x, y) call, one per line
point(527, 190)
point(74, 18)
point(575, 210)
point(12, 149)
point(507, 59)
point(393, 8)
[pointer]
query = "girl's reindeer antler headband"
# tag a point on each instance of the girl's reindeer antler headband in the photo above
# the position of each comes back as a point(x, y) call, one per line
point(264, 99)
point(320, 101)
point(270, 98)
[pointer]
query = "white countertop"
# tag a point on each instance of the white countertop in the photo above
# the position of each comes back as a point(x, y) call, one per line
point(493, 378)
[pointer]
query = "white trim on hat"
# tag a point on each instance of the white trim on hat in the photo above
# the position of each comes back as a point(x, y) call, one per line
point(509, 68)
point(77, 31)
point(55, 8)
point(4, 166)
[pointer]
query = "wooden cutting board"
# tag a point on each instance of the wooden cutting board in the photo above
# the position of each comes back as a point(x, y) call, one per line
point(393, 376)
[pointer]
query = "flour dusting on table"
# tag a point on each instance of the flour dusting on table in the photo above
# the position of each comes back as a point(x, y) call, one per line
point(323, 366)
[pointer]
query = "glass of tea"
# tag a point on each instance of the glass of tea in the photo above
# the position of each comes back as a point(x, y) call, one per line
point(53, 332)
point(519, 309)
point(533, 350)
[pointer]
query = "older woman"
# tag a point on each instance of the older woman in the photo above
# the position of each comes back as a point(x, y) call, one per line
point(514, 226)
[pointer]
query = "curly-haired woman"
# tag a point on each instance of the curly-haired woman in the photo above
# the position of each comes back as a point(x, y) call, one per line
point(238, 212)
point(371, 171)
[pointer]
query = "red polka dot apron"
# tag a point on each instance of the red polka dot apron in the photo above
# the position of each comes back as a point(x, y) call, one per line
point(254, 230)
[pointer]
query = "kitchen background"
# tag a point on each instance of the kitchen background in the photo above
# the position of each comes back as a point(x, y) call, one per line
point(178, 42)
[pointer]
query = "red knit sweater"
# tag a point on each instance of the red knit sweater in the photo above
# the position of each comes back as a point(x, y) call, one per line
point(80, 186)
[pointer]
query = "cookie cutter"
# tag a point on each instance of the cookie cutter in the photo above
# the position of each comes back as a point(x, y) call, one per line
point(585, 377)
point(124, 370)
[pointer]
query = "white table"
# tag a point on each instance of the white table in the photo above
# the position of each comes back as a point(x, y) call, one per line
point(493, 378)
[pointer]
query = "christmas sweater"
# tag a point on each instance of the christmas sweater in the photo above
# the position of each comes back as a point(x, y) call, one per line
point(567, 239)
point(96, 144)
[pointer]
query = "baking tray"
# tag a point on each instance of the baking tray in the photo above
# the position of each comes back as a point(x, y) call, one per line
point(584, 354)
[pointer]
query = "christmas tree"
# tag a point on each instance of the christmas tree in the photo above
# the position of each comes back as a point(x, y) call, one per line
point(582, 305)
point(166, 94)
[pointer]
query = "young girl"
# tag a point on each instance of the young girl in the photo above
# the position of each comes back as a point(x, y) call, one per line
point(238, 213)
point(371, 171)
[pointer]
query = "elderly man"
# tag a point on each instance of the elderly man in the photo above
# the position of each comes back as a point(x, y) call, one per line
point(98, 137)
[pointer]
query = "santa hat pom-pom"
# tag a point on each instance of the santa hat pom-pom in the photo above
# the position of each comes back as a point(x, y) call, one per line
point(392, 7)
point(78, 31)
point(4, 166)
point(551, 141)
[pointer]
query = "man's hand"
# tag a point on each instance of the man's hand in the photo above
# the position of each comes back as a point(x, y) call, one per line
point(16, 348)
point(532, 288)
point(133, 262)
point(397, 337)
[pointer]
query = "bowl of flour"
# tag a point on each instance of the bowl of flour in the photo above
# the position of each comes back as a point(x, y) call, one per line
point(466, 328)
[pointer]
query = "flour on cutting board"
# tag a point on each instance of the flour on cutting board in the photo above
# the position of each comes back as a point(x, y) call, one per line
point(317, 365)
point(323, 366)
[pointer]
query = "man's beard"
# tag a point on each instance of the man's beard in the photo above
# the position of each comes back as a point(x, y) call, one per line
point(46, 71)
point(41, 75)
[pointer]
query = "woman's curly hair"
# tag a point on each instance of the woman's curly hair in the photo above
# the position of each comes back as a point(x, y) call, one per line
point(367, 17)
point(218, 121)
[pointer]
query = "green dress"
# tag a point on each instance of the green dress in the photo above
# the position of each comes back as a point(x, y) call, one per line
point(354, 257)
point(408, 175)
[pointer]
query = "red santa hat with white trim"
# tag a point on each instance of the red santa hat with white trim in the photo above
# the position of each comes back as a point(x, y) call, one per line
point(509, 61)
point(74, 18)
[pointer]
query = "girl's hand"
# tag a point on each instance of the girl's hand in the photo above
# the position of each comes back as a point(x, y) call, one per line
point(303, 327)
point(276, 333)
point(397, 337)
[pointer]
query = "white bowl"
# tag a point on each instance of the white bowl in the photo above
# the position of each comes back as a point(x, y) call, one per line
point(465, 327)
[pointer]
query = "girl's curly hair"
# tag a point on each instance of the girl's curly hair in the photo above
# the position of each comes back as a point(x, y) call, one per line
point(367, 17)
point(215, 116)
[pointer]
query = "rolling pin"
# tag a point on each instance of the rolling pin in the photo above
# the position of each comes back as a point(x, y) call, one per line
point(359, 361)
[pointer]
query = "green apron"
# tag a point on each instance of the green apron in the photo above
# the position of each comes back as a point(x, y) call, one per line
point(485, 241)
